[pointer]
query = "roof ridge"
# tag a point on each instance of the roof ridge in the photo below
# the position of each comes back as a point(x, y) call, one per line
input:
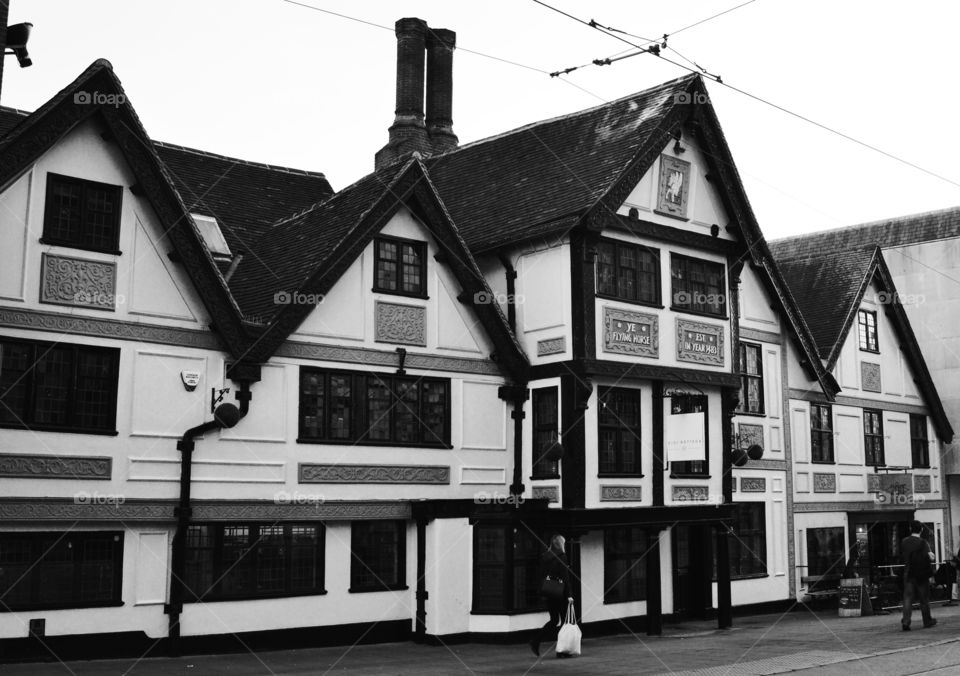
point(865, 224)
point(565, 116)
point(18, 111)
point(251, 163)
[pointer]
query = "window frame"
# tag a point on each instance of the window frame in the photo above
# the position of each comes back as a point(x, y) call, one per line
point(84, 185)
point(30, 413)
point(41, 546)
point(619, 430)
point(250, 562)
point(359, 411)
point(400, 557)
point(655, 296)
point(542, 468)
point(688, 468)
point(877, 437)
point(681, 260)
point(635, 550)
point(745, 377)
point(864, 319)
point(401, 242)
point(824, 435)
point(836, 568)
point(510, 602)
point(756, 555)
point(919, 445)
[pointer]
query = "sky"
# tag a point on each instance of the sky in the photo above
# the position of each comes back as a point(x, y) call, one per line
point(279, 82)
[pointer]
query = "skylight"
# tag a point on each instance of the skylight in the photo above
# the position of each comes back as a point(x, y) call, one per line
point(212, 237)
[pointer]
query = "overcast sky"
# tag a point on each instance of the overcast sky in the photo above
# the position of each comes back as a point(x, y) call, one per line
point(277, 82)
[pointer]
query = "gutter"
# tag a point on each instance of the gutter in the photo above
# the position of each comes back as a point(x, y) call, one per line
point(225, 416)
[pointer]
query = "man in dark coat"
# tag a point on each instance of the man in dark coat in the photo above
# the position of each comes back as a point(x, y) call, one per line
point(917, 569)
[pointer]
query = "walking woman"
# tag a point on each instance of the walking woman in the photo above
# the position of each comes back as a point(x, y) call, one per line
point(555, 588)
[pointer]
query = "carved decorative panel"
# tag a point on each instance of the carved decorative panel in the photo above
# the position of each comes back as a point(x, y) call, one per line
point(873, 483)
point(691, 494)
point(619, 493)
point(870, 376)
point(79, 282)
point(304, 510)
point(98, 508)
point(549, 493)
point(374, 474)
point(824, 483)
point(634, 333)
point(405, 324)
point(699, 342)
point(674, 187)
point(551, 346)
point(55, 466)
point(750, 434)
point(753, 485)
point(921, 483)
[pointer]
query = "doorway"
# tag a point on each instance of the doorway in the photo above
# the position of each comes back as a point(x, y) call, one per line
point(693, 571)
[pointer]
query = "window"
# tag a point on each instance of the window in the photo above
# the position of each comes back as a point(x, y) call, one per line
point(919, 446)
point(40, 571)
point(506, 567)
point(826, 554)
point(751, 379)
point(619, 431)
point(241, 561)
point(821, 433)
point(867, 330)
point(873, 437)
point(628, 272)
point(698, 286)
point(692, 403)
point(545, 432)
point(748, 541)
point(624, 564)
point(58, 386)
point(400, 267)
point(82, 214)
point(374, 408)
point(378, 561)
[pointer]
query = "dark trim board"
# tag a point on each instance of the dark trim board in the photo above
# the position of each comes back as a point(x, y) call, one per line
point(606, 367)
point(858, 402)
point(137, 644)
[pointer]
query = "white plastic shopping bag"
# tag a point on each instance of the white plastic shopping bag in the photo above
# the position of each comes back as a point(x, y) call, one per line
point(568, 639)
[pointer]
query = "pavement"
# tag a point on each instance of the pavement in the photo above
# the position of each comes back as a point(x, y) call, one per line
point(800, 641)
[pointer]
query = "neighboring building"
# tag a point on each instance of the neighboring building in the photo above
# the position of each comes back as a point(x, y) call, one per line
point(868, 462)
point(574, 327)
point(922, 253)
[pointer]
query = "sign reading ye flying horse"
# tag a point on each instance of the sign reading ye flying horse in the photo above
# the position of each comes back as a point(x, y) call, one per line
point(632, 333)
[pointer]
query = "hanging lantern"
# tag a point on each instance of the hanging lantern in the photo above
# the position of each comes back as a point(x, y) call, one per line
point(739, 457)
point(554, 453)
point(755, 452)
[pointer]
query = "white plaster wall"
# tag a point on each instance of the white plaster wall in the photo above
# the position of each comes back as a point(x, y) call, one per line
point(543, 300)
point(756, 307)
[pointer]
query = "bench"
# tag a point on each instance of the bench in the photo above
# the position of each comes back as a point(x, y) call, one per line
point(821, 586)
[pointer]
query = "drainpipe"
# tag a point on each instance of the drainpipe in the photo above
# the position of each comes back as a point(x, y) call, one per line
point(511, 274)
point(225, 416)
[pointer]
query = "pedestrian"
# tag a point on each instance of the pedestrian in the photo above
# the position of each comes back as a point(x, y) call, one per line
point(915, 556)
point(554, 588)
point(954, 564)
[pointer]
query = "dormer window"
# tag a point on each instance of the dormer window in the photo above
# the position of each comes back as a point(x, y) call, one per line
point(400, 267)
point(82, 214)
point(212, 237)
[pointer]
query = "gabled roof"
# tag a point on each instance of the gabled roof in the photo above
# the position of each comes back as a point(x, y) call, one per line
point(830, 284)
point(310, 252)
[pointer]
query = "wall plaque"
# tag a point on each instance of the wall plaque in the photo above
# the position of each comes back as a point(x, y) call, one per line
point(895, 490)
point(548, 493)
point(405, 324)
point(753, 484)
point(629, 332)
point(699, 342)
point(824, 483)
point(750, 435)
point(55, 466)
point(870, 376)
point(619, 493)
point(691, 494)
point(551, 346)
point(922, 483)
point(78, 282)
point(373, 474)
point(674, 186)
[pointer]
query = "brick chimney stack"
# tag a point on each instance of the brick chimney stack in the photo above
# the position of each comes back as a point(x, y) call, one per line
point(421, 48)
point(440, 45)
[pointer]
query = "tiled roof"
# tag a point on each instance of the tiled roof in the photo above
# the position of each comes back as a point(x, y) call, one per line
point(10, 118)
point(538, 179)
